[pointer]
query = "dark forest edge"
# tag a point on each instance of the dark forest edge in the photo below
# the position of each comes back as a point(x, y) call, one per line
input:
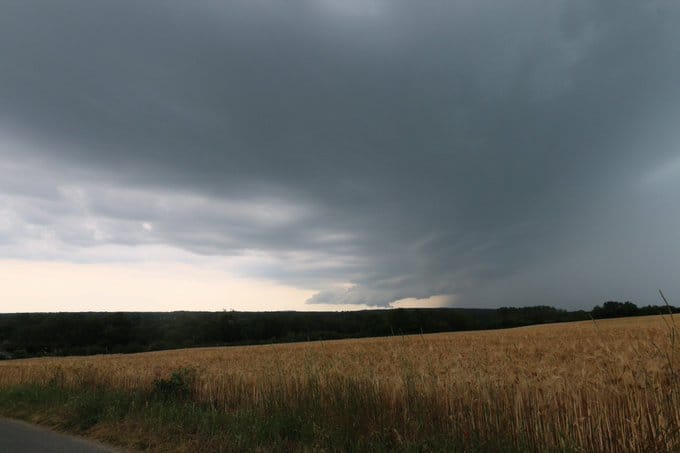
point(57, 334)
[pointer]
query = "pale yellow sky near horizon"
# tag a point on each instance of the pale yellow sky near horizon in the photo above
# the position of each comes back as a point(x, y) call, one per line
point(58, 286)
point(39, 286)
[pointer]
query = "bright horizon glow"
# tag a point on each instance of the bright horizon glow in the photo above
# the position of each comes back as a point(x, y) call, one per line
point(55, 286)
point(58, 286)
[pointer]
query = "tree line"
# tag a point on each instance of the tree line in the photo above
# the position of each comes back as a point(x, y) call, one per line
point(41, 334)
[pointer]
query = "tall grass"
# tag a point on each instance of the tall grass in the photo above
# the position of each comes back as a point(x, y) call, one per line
point(609, 386)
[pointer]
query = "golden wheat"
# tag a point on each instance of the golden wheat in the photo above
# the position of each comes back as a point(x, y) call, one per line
point(605, 386)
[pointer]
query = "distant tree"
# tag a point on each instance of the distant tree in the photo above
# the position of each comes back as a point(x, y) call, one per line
point(614, 309)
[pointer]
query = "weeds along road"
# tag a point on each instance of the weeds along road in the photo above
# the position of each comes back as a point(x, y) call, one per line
point(21, 437)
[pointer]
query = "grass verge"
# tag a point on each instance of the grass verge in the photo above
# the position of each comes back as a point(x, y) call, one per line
point(164, 420)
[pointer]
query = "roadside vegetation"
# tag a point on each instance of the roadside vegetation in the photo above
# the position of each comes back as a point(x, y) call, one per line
point(605, 385)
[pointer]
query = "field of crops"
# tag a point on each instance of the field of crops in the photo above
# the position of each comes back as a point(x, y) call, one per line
point(605, 386)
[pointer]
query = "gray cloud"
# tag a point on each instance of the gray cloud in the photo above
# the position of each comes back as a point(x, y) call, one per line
point(508, 154)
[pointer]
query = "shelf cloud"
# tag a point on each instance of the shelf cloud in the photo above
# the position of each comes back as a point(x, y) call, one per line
point(478, 153)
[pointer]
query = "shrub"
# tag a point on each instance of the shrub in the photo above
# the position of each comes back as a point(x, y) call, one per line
point(180, 385)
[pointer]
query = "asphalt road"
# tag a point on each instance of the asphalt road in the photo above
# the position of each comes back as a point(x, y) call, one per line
point(21, 437)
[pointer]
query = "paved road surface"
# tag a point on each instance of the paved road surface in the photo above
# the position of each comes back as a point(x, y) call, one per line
point(21, 437)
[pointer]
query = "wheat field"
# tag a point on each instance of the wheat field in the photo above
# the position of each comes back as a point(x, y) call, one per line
point(609, 385)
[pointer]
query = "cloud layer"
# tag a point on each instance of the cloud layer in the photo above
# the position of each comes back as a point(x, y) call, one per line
point(505, 154)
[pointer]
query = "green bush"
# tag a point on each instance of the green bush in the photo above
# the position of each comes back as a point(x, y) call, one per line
point(180, 385)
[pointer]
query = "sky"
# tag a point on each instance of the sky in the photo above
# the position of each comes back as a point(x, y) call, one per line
point(338, 154)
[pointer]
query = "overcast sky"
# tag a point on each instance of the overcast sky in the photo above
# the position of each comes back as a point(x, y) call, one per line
point(336, 154)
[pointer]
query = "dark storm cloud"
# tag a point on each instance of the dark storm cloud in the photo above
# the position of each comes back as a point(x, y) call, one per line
point(499, 152)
